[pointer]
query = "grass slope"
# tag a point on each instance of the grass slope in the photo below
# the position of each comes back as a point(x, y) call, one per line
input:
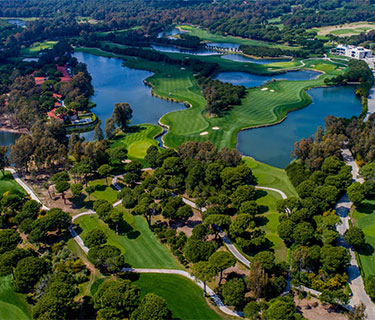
point(273, 177)
point(138, 141)
point(8, 184)
point(13, 306)
point(364, 216)
point(141, 248)
point(184, 298)
point(208, 36)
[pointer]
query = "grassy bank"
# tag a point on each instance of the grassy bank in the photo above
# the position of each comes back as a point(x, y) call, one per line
point(184, 298)
point(138, 243)
point(13, 306)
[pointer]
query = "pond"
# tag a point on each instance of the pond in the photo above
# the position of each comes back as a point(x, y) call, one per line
point(115, 83)
point(223, 45)
point(253, 80)
point(170, 33)
point(242, 58)
point(17, 22)
point(173, 49)
point(8, 138)
point(274, 145)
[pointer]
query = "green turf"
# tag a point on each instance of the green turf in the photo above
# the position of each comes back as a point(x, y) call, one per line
point(13, 306)
point(8, 184)
point(364, 216)
point(141, 248)
point(258, 107)
point(269, 221)
point(36, 47)
point(102, 191)
point(18, 18)
point(208, 36)
point(184, 298)
point(138, 141)
point(345, 31)
point(273, 177)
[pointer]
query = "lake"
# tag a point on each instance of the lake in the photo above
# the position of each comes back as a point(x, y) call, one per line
point(273, 145)
point(241, 58)
point(115, 83)
point(170, 33)
point(253, 80)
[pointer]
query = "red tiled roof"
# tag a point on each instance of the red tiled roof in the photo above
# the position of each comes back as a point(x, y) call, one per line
point(51, 114)
point(57, 96)
point(65, 79)
point(39, 80)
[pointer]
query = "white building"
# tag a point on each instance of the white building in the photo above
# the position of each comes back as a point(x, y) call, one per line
point(352, 51)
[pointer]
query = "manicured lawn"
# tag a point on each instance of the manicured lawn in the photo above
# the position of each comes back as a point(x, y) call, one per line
point(269, 221)
point(141, 248)
point(13, 306)
point(258, 107)
point(364, 217)
point(139, 141)
point(273, 177)
point(184, 298)
point(8, 184)
point(36, 47)
point(102, 191)
point(206, 35)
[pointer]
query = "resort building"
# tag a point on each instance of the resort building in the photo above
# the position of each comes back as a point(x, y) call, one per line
point(352, 51)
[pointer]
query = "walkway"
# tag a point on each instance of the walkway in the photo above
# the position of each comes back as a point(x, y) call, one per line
point(85, 249)
point(354, 276)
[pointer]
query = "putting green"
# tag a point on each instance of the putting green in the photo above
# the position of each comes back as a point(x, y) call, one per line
point(138, 149)
point(138, 141)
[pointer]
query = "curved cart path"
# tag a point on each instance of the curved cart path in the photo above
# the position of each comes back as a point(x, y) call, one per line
point(223, 308)
point(354, 275)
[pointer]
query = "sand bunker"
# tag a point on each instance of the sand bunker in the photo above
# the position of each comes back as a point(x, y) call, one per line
point(272, 90)
point(264, 89)
point(215, 128)
point(203, 133)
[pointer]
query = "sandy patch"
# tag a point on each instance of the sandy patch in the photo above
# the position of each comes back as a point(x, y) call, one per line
point(313, 309)
point(272, 90)
point(203, 133)
point(264, 89)
point(187, 227)
point(215, 128)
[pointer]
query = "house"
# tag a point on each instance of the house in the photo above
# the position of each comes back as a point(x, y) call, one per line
point(352, 52)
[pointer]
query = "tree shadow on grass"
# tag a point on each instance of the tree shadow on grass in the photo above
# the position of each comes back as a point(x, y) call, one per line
point(260, 194)
point(133, 234)
point(100, 187)
point(366, 250)
point(261, 221)
point(263, 209)
point(366, 207)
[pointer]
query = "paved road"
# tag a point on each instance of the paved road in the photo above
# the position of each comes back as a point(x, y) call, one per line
point(187, 275)
point(354, 276)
